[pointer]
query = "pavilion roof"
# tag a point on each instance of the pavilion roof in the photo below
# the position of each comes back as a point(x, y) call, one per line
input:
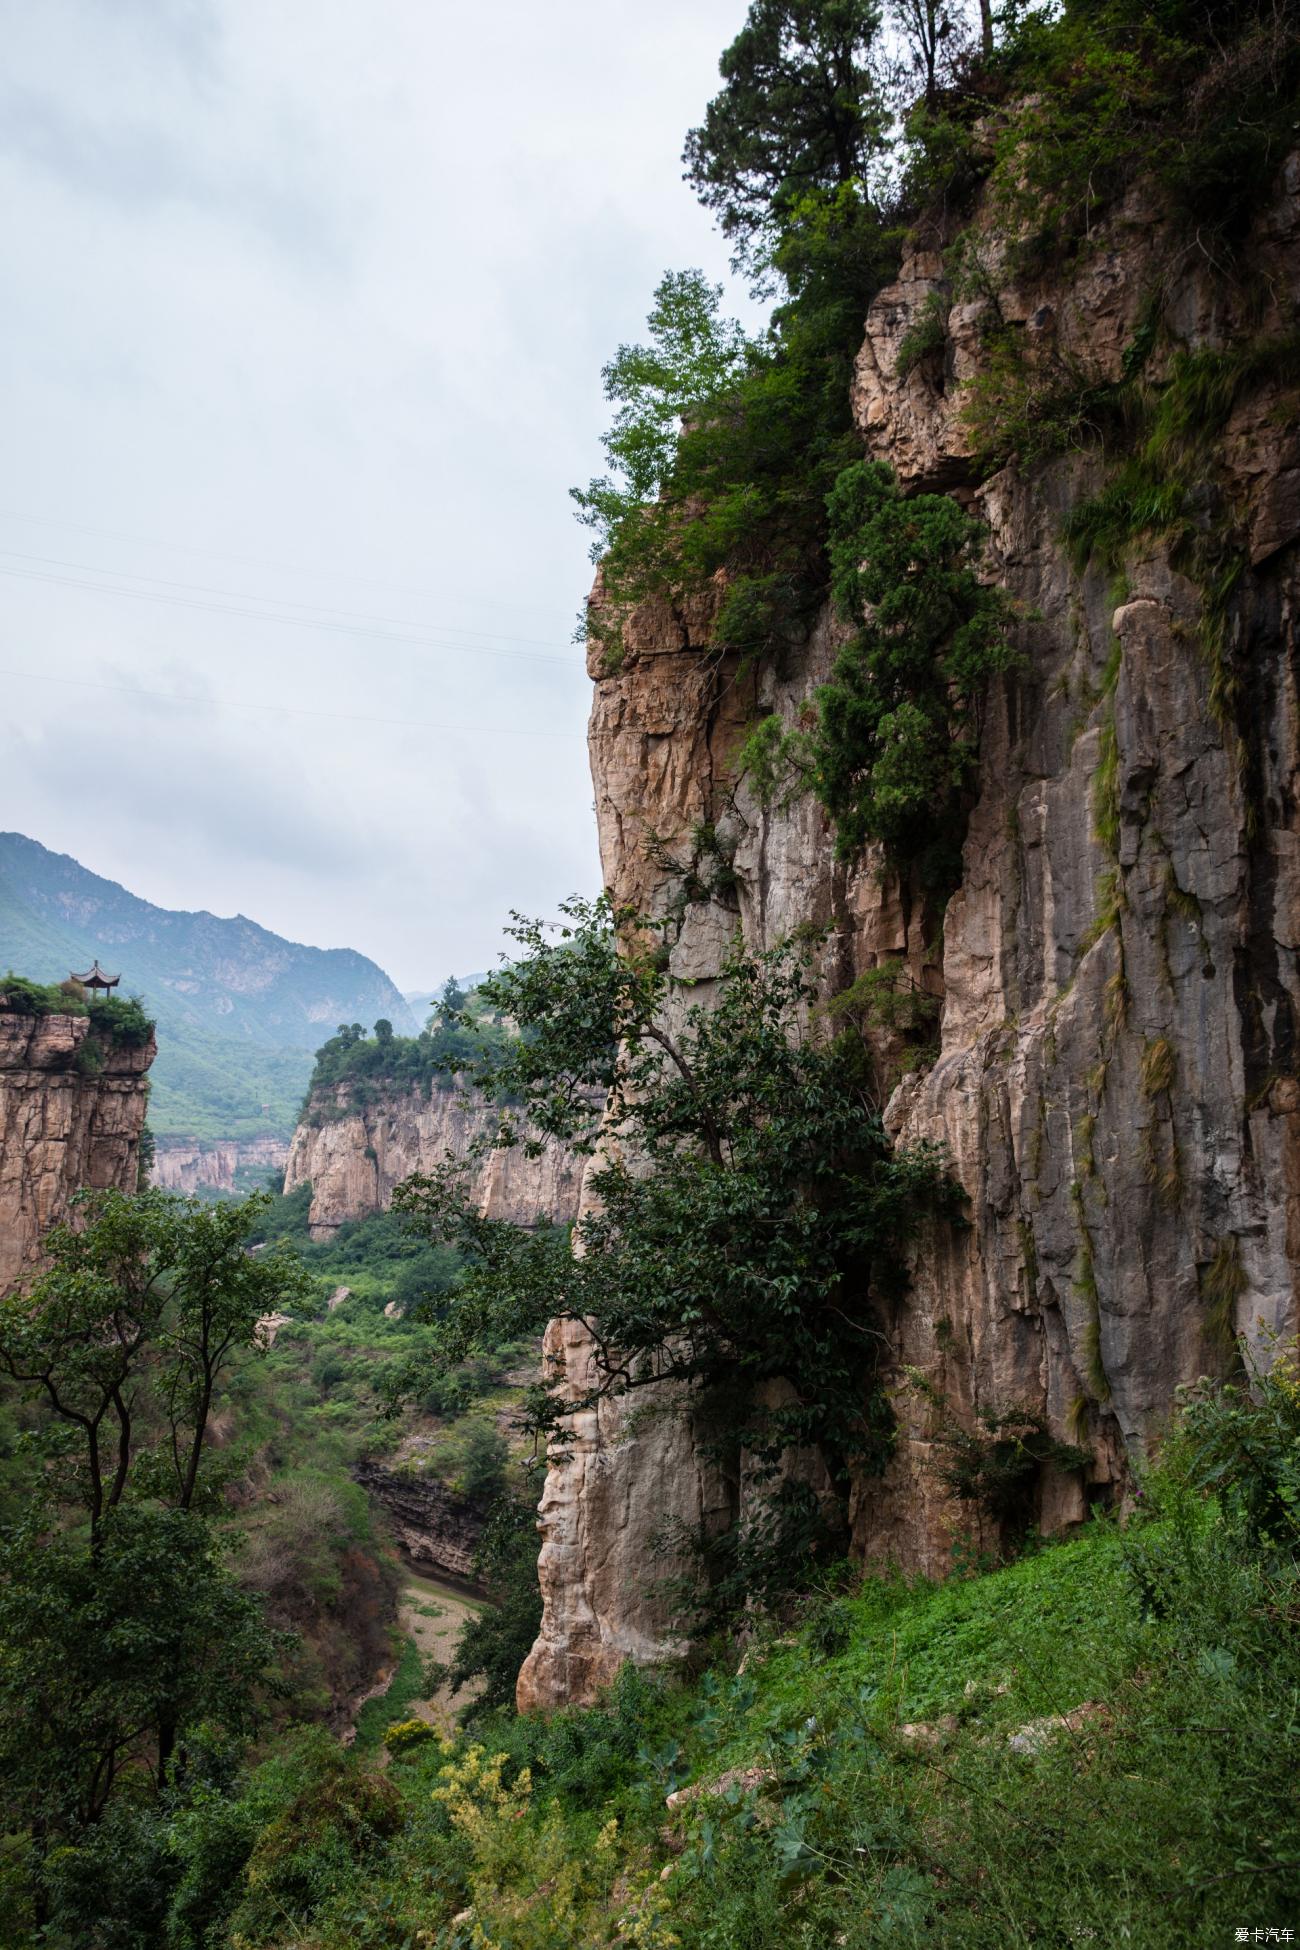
point(96, 978)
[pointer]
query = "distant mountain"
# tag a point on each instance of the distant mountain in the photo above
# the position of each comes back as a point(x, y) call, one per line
point(239, 1010)
point(421, 1001)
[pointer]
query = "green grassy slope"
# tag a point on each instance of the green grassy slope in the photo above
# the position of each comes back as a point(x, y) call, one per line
point(1096, 1744)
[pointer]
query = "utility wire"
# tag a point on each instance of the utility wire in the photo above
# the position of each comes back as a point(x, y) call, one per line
point(249, 561)
point(291, 710)
point(280, 602)
point(299, 622)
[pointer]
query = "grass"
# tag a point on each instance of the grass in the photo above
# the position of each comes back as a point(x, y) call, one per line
point(1096, 1742)
point(1222, 1282)
point(1105, 787)
point(1157, 1066)
point(404, 1688)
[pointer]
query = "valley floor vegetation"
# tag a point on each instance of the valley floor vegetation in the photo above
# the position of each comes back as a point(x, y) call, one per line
point(1095, 1742)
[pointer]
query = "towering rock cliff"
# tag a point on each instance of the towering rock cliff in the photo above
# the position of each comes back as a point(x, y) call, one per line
point(355, 1151)
point(65, 1123)
point(1116, 1074)
point(216, 1165)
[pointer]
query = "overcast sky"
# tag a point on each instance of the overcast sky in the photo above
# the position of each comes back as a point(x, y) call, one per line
point(305, 308)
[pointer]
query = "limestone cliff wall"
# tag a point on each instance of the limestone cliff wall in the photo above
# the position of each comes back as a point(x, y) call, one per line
point(200, 1166)
point(62, 1127)
point(1120, 1102)
point(355, 1154)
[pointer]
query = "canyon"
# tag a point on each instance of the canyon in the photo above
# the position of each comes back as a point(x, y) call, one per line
point(1115, 1080)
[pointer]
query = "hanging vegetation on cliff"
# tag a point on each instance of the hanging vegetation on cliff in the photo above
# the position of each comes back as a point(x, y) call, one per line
point(747, 1211)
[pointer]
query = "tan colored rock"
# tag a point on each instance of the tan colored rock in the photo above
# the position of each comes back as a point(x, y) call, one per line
point(1096, 1202)
point(61, 1129)
point(355, 1157)
point(188, 1166)
point(746, 1779)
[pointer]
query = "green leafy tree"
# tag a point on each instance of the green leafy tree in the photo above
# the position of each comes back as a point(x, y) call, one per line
point(693, 358)
point(125, 1337)
point(495, 1642)
point(723, 450)
point(120, 1626)
point(749, 1213)
point(104, 1654)
point(800, 112)
point(891, 755)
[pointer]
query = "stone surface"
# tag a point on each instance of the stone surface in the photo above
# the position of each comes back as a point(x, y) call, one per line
point(438, 1530)
point(61, 1128)
point(1121, 1102)
point(199, 1166)
point(354, 1156)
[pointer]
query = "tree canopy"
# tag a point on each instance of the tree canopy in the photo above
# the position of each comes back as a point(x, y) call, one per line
point(748, 1217)
point(800, 112)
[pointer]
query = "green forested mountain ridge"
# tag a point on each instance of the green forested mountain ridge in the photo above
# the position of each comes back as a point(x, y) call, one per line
point(239, 1009)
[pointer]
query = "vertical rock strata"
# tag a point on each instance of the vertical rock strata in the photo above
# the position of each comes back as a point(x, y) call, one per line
point(191, 1165)
point(62, 1127)
point(1117, 1080)
point(354, 1154)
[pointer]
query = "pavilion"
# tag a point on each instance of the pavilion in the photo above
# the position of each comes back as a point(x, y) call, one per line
point(95, 978)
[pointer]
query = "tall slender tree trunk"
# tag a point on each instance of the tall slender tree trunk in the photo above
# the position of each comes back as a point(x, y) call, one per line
point(986, 27)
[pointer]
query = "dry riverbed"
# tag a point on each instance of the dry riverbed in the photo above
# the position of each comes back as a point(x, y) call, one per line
point(430, 1615)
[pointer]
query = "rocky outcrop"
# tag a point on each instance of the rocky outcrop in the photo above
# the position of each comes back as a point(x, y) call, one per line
point(219, 1166)
point(71, 1114)
point(1116, 1080)
point(438, 1530)
point(354, 1155)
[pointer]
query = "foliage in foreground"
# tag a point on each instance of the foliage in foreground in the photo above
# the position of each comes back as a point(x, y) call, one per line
point(1099, 1738)
point(122, 1632)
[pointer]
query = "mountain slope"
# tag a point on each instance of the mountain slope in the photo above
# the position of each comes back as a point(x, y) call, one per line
point(239, 1009)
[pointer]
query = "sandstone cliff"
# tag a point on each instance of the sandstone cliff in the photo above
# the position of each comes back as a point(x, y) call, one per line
point(354, 1154)
point(221, 1166)
point(1116, 1076)
point(437, 1529)
point(63, 1125)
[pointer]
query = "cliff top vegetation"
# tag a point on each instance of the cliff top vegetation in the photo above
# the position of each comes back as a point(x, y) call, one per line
point(822, 155)
point(118, 1021)
point(353, 1069)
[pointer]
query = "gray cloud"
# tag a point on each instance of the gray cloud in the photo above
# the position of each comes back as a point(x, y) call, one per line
point(306, 305)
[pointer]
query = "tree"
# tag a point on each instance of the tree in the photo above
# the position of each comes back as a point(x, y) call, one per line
point(101, 1652)
point(935, 33)
point(693, 357)
point(898, 722)
point(140, 1312)
point(494, 1642)
point(452, 1000)
point(800, 111)
point(749, 1213)
point(119, 1624)
point(383, 1031)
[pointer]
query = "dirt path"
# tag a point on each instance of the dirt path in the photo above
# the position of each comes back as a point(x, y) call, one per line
point(432, 1614)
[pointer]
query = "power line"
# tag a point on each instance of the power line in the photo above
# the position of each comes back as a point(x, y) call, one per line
point(299, 622)
point(291, 710)
point(280, 602)
point(250, 561)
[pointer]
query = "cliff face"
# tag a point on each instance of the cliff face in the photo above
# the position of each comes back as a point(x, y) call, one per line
point(217, 1167)
point(61, 1128)
point(1116, 1080)
point(355, 1154)
point(438, 1530)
